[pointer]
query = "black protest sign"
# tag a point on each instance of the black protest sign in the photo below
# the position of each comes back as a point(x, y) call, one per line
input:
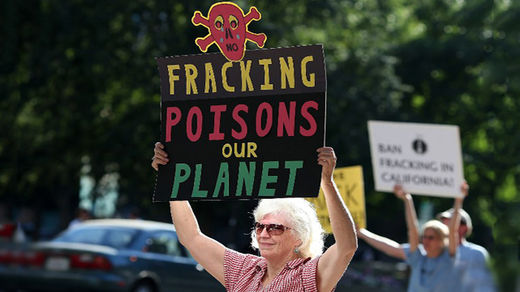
point(242, 130)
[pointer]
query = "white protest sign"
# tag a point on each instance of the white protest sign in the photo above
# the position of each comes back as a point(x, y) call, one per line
point(425, 159)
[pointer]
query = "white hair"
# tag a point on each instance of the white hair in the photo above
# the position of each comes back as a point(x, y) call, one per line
point(302, 220)
point(442, 231)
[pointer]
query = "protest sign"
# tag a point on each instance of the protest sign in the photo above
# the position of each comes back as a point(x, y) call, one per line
point(425, 159)
point(349, 181)
point(243, 129)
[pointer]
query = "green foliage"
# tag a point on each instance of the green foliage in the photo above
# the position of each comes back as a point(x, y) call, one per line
point(78, 81)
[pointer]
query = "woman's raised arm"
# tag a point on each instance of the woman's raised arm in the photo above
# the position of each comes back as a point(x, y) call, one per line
point(205, 250)
point(335, 260)
point(454, 222)
point(411, 217)
point(381, 243)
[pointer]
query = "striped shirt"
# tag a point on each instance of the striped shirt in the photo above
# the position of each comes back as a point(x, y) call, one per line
point(244, 273)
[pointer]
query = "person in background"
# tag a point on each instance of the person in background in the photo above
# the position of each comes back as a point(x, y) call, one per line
point(433, 262)
point(286, 232)
point(82, 214)
point(473, 258)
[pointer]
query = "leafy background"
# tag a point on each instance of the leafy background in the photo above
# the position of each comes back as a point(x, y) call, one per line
point(79, 86)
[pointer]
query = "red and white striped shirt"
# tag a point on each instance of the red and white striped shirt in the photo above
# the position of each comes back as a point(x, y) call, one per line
point(244, 273)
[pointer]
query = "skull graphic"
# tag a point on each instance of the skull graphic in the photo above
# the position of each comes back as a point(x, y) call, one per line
point(227, 26)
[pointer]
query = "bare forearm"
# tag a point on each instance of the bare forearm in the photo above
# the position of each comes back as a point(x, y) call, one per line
point(381, 243)
point(208, 252)
point(453, 226)
point(411, 221)
point(341, 220)
point(455, 218)
point(184, 220)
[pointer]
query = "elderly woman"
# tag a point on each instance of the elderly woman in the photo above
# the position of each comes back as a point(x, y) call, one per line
point(432, 264)
point(287, 234)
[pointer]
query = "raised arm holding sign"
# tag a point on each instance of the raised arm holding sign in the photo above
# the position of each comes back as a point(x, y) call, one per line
point(349, 181)
point(286, 232)
point(243, 125)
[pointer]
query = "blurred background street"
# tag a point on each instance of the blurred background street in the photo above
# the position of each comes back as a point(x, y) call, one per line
point(79, 115)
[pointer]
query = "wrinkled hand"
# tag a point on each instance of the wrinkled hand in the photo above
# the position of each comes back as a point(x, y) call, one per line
point(327, 159)
point(399, 192)
point(159, 156)
point(464, 188)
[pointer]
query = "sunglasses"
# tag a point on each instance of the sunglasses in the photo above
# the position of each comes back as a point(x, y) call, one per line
point(429, 237)
point(272, 229)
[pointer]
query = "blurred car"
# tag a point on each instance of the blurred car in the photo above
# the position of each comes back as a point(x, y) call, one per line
point(106, 255)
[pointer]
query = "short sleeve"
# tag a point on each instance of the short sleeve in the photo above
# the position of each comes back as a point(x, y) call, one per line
point(309, 275)
point(405, 247)
point(481, 257)
point(233, 266)
point(478, 272)
point(412, 258)
point(451, 259)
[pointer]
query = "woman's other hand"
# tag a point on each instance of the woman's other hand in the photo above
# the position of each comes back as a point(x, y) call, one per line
point(160, 157)
point(327, 159)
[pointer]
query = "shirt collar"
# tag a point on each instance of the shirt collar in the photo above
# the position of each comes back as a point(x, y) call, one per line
point(295, 263)
point(261, 264)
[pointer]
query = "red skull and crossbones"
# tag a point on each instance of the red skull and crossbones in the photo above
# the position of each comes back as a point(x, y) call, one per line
point(227, 26)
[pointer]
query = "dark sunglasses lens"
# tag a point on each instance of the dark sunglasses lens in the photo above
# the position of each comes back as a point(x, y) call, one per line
point(259, 228)
point(273, 229)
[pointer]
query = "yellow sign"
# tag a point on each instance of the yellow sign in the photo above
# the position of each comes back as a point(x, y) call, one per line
point(350, 185)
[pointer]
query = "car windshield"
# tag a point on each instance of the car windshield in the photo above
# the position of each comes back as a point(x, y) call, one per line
point(101, 235)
